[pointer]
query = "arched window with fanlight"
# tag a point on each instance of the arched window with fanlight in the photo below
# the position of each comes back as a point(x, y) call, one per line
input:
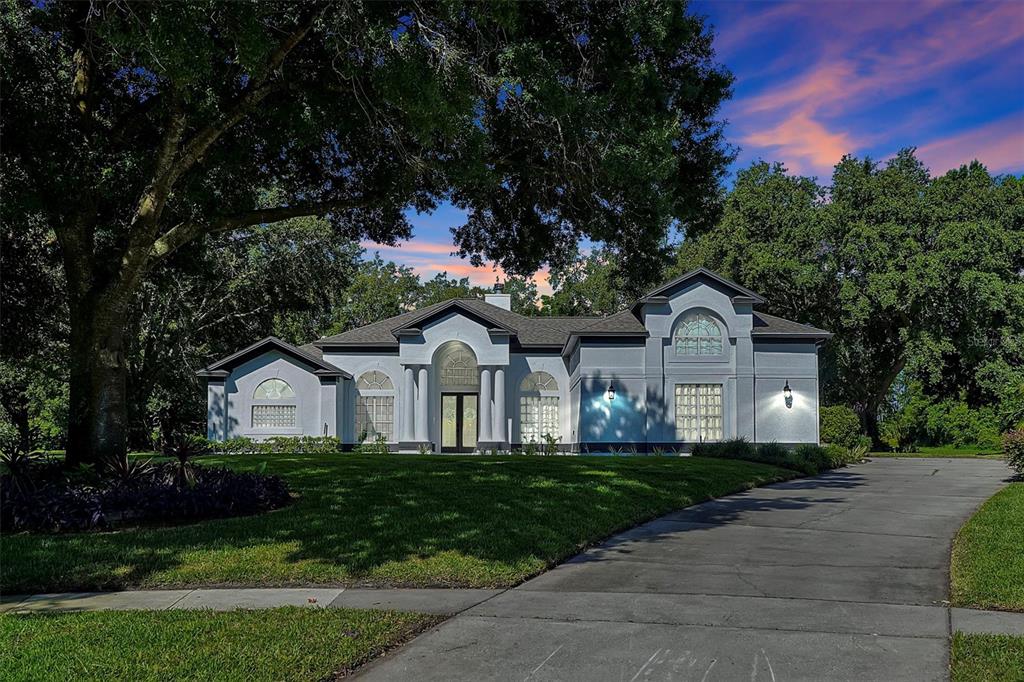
point(375, 406)
point(538, 407)
point(274, 405)
point(698, 334)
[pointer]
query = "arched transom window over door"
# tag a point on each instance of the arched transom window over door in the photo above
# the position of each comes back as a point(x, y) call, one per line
point(375, 407)
point(538, 408)
point(274, 405)
point(698, 334)
point(458, 368)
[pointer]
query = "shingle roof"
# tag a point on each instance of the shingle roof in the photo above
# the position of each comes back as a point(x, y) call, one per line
point(321, 367)
point(529, 331)
point(769, 325)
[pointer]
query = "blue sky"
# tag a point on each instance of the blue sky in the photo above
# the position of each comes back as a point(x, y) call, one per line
point(818, 79)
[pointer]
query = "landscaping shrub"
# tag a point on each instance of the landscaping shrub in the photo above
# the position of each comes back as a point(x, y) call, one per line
point(1013, 449)
point(276, 445)
point(46, 497)
point(807, 459)
point(840, 425)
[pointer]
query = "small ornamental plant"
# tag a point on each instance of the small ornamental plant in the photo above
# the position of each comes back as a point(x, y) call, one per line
point(1013, 449)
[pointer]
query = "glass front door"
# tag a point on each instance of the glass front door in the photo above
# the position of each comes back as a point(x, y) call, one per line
point(458, 422)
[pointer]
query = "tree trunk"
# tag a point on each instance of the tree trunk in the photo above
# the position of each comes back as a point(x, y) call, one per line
point(98, 407)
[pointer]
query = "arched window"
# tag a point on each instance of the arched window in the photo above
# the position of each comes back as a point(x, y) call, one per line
point(375, 406)
point(458, 368)
point(698, 334)
point(375, 381)
point(274, 405)
point(538, 407)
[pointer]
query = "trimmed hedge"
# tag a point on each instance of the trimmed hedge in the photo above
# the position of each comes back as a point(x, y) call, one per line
point(275, 445)
point(808, 459)
point(1013, 449)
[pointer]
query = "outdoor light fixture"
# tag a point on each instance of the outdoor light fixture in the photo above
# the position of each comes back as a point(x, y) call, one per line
point(787, 394)
point(610, 393)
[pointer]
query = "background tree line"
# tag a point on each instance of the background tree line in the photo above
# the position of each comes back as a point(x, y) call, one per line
point(920, 279)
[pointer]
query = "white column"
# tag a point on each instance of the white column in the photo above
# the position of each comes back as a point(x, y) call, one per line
point(485, 405)
point(408, 405)
point(499, 405)
point(422, 401)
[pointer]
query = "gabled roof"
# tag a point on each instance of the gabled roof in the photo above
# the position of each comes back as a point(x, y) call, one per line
point(693, 274)
point(552, 333)
point(462, 304)
point(222, 367)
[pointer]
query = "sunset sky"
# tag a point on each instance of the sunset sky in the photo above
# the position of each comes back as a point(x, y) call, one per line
point(816, 80)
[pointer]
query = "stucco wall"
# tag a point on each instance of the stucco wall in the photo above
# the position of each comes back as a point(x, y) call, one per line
point(357, 364)
point(243, 380)
point(776, 363)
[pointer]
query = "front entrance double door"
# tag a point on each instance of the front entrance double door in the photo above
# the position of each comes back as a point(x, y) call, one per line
point(458, 422)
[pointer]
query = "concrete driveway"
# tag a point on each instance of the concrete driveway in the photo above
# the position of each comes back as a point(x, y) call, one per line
point(838, 577)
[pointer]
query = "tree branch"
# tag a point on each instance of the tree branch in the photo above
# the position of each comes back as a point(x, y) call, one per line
point(184, 232)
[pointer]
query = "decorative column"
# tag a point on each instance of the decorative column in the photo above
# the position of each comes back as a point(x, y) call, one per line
point(485, 407)
point(408, 407)
point(498, 434)
point(422, 401)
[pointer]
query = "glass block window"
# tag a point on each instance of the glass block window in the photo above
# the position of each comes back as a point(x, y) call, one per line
point(273, 416)
point(273, 389)
point(538, 415)
point(375, 416)
point(538, 407)
point(375, 381)
point(698, 412)
point(698, 334)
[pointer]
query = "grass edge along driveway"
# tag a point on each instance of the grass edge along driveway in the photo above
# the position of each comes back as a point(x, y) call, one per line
point(395, 520)
point(987, 564)
point(290, 643)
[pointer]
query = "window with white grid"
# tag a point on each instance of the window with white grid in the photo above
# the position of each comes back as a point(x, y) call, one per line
point(273, 416)
point(538, 407)
point(538, 415)
point(375, 416)
point(698, 334)
point(698, 412)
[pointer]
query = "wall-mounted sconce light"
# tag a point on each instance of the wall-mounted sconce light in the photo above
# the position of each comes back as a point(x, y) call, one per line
point(610, 393)
point(787, 394)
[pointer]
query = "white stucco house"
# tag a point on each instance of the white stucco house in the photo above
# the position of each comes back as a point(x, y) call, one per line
point(691, 361)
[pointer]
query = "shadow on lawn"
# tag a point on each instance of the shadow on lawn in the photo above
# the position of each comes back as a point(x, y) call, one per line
point(400, 519)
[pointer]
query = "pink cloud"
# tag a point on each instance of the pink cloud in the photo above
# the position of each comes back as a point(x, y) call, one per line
point(999, 145)
point(864, 63)
point(804, 145)
point(410, 247)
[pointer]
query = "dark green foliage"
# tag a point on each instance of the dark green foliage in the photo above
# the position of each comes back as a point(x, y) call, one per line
point(917, 277)
point(840, 425)
point(136, 132)
point(917, 419)
point(808, 459)
point(1013, 449)
point(131, 492)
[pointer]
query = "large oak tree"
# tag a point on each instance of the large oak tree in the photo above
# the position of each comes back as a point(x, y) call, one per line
point(133, 128)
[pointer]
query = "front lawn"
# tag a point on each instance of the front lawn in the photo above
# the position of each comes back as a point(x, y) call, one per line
point(987, 658)
point(411, 520)
point(289, 643)
point(988, 554)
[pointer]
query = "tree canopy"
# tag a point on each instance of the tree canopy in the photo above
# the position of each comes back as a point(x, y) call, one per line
point(133, 129)
point(917, 277)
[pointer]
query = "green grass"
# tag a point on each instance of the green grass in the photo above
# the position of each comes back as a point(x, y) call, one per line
point(987, 569)
point(987, 658)
point(976, 452)
point(289, 643)
point(388, 520)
